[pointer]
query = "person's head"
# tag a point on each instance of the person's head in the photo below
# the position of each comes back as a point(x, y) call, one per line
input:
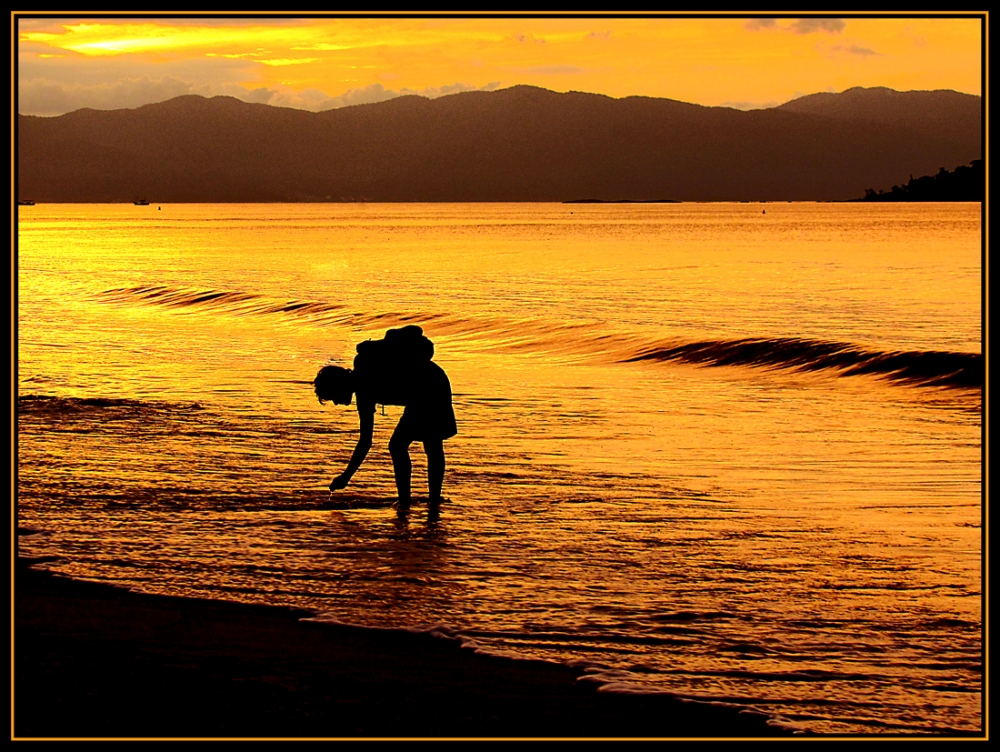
point(335, 384)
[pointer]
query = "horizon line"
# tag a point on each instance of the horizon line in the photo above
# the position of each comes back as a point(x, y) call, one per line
point(498, 90)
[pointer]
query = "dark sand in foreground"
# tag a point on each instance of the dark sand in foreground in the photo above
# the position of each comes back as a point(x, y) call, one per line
point(92, 660)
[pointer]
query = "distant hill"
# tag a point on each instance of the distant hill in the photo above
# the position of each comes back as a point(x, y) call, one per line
point(516, 144)
point(955, 116)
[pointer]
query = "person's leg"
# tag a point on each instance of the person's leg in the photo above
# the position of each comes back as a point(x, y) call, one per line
point(434, 449)
point(399, 450)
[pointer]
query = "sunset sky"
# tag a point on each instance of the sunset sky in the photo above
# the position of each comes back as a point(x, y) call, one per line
point(320, 63)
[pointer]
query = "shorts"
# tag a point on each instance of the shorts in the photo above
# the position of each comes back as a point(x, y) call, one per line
point(429, 415)
point(427, 423)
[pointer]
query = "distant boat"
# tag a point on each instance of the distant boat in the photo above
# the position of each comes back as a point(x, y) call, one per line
point(25, 202)
point(141, 202)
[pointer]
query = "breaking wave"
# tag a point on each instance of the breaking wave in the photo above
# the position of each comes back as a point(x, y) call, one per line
point(923, 368)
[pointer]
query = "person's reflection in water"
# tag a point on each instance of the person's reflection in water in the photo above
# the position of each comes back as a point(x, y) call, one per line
point(433, 528)
point(396, 370)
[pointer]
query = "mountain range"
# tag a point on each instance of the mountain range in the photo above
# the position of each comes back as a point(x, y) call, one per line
point(518, 144)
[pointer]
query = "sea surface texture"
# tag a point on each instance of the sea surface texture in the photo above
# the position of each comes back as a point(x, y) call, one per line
point(731, 452)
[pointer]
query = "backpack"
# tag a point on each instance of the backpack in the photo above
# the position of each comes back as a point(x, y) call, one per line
point(397, 350)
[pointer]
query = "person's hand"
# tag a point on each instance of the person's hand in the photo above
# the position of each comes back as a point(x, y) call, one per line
point(339, 482)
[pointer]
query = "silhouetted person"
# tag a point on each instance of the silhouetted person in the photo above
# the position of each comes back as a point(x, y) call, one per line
point(396, 370)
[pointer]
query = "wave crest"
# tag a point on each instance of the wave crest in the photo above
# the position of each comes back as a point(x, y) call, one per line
point(922, 368)
point(955, 370)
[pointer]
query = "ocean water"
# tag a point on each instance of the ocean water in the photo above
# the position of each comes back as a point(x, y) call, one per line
point(732, 452)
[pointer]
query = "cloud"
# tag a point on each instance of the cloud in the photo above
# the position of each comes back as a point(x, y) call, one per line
point(282, 61)
point(599, 35)
point(322, 47)
point(853, 49)
point(44, 97)
point(798, 26)
point(433, 92)
point(367, 95)
point(68, 70)
point(378, 93)
point(750, 105)
point(810, 25)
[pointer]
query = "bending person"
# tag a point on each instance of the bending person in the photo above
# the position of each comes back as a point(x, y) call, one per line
point(383, 374)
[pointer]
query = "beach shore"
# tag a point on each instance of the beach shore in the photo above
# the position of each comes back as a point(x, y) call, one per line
point(95, 661)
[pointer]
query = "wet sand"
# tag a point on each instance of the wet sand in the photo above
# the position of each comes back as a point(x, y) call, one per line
point(92, 660)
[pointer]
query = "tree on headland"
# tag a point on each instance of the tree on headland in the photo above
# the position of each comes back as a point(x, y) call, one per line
point(964, 183)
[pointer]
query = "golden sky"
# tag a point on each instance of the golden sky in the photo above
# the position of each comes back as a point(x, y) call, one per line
point(318, 63)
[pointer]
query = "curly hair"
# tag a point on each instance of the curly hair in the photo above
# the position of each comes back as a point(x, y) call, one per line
point(331, 382)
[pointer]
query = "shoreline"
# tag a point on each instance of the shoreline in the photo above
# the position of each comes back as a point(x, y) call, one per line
point(96, 661)
point(126, 202)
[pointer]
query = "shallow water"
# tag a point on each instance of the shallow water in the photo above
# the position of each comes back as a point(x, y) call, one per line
point(730, 455)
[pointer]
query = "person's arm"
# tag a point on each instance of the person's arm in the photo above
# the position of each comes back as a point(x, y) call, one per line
point(367, 423)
